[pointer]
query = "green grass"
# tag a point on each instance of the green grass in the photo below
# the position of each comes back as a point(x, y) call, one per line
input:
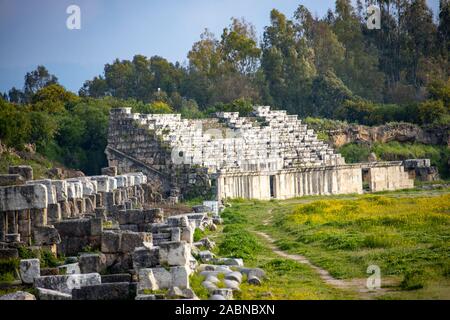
point(405, 233)
point(39, 164)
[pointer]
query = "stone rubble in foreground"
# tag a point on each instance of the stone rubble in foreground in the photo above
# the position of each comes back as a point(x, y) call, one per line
point(116, 246)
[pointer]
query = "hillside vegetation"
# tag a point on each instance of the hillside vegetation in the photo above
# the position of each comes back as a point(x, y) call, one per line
point(406, 234)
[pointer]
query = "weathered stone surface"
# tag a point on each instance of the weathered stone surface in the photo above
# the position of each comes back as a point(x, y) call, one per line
point(109, 171)
point(230, 261)
point(210, 286)
point(25, 171)
point(46, 235)
point(92, 262)
point(257, 272)
point(12, 237)
point(66, 283)
point(131, 240)
point(30, 269)
point(18, 295)
point(71, 268)
point(111, 241)
point(24, 197)
point(217, 297)
point(235, 276)
point(161, 278)
point(254, 280)
point(174, 253)
point(206, 256)
point(144, 257)
point(11, 180)
point(106, 291)
point(231, 284)
point(47, 294)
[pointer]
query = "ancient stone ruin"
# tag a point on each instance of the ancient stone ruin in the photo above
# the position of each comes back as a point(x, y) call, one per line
point(116, 244)
point(268, 155)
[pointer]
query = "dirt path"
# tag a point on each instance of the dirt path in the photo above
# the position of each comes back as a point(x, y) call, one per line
point(355, 285)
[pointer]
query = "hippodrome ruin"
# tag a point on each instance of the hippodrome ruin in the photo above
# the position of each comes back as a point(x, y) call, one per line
point(268, 155)
point(117, 242)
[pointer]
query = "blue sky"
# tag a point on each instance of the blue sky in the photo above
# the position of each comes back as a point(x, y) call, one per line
point(34, 32)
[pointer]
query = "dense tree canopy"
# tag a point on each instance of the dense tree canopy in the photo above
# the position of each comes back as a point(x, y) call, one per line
point(331, 67)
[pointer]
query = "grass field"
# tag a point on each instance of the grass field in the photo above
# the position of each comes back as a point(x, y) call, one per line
point(406, 234)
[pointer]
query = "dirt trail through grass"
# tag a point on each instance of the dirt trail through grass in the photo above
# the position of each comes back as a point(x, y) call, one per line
point(355, 285)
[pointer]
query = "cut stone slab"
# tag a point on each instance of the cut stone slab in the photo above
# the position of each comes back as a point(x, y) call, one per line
point(18, 295)
point(174, 253)
point(217, 297)
point(66, 283)
point(92, 262)
point(30, 269)
point(132, 240)
point(46, 235)
point(47, 294)
point(71, 268)
point(111, 241)
point(144, 257)
point(230, 261)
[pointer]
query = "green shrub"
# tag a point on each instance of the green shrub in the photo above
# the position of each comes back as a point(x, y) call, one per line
point(412, 280)
point(239, 244)
point(48, 260)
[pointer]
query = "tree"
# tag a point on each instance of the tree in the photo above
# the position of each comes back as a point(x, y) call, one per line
point(53, 99)
point(421, 33)
point(328, 51)
point(288, 64)
point(239, 47)
point(360, 69)
point(36, 80)
point(16, 96)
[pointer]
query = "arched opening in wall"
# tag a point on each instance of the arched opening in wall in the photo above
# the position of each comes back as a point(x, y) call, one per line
point(366, 179)
point(272, 186)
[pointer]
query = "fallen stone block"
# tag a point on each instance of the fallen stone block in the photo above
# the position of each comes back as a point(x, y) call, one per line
point(235, 276)
point(132, 240)
point(92, 262)
point(30, 269)
point(254, 280)
point(66, 283)
point(206, 256)
point(230, 261)
point(11, 179)
point(144, 257)
point(174, 253)
point(47, 294)
point(71, 268)
point(25, 171)
point(111, 241)
point(46, 235)
point(217, 297)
